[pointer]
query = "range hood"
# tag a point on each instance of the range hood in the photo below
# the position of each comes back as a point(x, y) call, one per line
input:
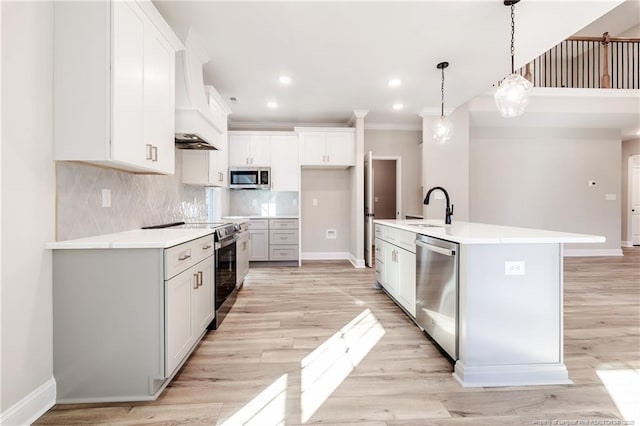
point(197, 127)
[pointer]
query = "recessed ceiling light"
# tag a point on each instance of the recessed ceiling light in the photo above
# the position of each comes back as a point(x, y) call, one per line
point(395, 82)
point(272, 104)
point(397, 107)
point(285, 79)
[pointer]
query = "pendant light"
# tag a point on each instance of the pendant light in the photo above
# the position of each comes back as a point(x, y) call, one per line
point(442, 128)
point(512, 95)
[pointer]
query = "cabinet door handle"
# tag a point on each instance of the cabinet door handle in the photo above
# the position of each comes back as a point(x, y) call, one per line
point(154, 153)
point(328, 159)
point(220, 177)
point(149, 156)
point(195, 281)
point(185, 257)
point(207, 247)
point(200, 278)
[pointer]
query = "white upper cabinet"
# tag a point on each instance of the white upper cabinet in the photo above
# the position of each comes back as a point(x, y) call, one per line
point(329, 148)
point(285, 169)
point(114, 86)
point(249, 150)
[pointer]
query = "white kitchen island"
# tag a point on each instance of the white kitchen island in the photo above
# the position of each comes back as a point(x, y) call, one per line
point(509, 324)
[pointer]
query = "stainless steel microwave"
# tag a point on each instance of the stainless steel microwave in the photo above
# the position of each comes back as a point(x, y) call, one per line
point(250, 178)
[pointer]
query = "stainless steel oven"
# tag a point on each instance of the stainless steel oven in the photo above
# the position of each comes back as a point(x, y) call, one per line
point(225, 272)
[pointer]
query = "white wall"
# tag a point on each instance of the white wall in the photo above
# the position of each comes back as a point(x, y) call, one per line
point(405, 144)
point(331, 187)
point(447, 166)
point(28, 209)
point(537, 178)
point(629, 148)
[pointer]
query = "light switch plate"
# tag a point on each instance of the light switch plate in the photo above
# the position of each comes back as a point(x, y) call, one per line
point(315, 202)
point(514, 267)
point(610, 197)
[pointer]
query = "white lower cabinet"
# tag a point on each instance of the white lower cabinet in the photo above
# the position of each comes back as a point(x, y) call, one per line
point(396, 266)
point(274, 239)
point(124, 320)
point(258, 244)
point(406, 273)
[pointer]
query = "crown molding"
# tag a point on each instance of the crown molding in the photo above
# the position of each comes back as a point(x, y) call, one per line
point(277, 125)
point(393, 126)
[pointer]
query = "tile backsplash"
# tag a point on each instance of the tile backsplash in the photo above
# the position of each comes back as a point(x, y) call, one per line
point(136, 200)
point(263, 203)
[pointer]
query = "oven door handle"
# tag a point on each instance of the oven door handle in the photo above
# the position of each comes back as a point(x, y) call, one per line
point(225, 243)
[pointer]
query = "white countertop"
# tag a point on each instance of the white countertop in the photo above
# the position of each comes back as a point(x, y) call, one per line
point(481, 233)
point(137, 238)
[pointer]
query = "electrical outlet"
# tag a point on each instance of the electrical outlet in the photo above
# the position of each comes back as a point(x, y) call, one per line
point(331, 234)
point(610, 197)
point(106, 198)
point(314, 201)
point(514, 267)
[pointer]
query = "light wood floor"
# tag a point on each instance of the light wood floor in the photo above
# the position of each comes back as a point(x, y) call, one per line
point(261, 366)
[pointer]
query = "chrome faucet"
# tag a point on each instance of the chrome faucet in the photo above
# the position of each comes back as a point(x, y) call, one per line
point(449, 208)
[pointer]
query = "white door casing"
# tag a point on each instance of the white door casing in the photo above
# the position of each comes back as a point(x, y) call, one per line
point(634, 198)
point(368, 209)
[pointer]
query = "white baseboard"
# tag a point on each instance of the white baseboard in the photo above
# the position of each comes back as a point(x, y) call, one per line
point(31, 407)
point(626, 244)
point(592, 252)
point(511, 375)
point(357, 263)
point(325, 256)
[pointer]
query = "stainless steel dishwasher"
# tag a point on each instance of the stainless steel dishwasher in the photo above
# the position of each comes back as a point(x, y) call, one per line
point(437, 291)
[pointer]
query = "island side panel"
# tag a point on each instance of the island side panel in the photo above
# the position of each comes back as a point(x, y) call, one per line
point(108, 322)
point(510, 319)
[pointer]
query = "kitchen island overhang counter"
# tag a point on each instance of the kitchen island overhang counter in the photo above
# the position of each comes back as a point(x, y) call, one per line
point(509, 322)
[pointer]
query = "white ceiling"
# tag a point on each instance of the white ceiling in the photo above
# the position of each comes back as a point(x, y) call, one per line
point(341, 55)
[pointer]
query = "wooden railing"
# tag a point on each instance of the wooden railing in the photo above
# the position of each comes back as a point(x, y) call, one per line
point(588, 62)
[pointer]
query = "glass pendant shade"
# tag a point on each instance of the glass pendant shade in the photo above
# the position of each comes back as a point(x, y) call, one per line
point(512, 96)
point(442, 130)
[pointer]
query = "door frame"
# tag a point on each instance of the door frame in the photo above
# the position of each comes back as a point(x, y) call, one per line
point(633, 162)
point(398, 160)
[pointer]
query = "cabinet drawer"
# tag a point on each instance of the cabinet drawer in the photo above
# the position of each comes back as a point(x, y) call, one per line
point(183, 256)
point(259, 224)
point(379, 256)
point(283, 224)
point(406, 239)
point(279, 237)
point(284, 252)
point(379, 231)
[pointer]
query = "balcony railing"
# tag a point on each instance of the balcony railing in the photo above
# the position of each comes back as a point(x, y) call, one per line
point(588, 62)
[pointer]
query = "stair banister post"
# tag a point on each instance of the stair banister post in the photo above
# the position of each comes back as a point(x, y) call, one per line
point(605, 81)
